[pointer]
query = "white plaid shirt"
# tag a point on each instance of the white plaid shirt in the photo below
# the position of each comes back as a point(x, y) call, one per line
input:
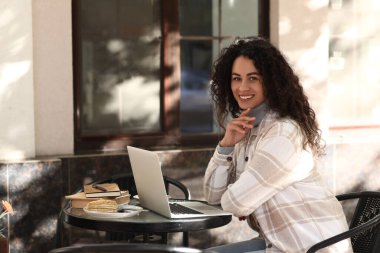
point(279, 187)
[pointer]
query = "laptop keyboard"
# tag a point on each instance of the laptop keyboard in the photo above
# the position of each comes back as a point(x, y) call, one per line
point(179, 209)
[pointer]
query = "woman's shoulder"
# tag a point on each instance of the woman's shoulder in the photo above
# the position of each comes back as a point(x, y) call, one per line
point(284, 125)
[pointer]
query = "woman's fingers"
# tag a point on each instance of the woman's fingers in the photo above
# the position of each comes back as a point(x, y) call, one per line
point(245, 112)
point(244, 122)
point(239, 128)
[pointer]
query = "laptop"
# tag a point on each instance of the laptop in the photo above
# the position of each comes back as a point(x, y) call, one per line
point(146, 169)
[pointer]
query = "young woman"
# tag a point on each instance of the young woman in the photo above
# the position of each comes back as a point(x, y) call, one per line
point(263, 169)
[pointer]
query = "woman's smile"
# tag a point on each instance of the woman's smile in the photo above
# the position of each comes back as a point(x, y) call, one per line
point(246, 97)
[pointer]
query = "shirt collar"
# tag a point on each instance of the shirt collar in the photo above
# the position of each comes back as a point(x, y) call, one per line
point(259, 112)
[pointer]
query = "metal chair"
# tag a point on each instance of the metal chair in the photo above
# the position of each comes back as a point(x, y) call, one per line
point(126, 181)
point(124, 247)
point(364, 228)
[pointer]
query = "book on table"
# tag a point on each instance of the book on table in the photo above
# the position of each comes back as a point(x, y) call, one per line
point(79, 200)
point(101, 190)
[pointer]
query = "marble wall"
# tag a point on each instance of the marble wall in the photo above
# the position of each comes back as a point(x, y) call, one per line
point(34, 190)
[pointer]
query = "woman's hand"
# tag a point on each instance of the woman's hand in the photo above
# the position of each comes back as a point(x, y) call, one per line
point(237, 129)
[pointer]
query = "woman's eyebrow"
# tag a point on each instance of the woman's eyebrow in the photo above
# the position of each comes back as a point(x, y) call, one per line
point(253, 73)
point(248, 74)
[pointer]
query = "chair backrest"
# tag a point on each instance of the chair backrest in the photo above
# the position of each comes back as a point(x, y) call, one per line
point(367, 208)
point(364, 230)
point(127, 182)
point(124, 247)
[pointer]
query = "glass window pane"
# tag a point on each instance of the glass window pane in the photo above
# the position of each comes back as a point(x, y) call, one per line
point(196, 106)
point(120, 51)
point(196, 113)
point(240, 18)
point(214, 18)
point(202, 24)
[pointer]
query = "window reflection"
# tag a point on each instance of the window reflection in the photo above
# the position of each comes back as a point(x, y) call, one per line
point(216, 25)
point(120, 67)
point(195, 107)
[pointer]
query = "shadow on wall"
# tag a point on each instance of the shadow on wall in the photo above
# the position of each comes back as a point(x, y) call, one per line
point(17, 134)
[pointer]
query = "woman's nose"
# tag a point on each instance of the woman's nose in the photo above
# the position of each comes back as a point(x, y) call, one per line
point(243, 85)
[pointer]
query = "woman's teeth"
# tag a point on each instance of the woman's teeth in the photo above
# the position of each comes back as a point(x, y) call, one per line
point(246, 97)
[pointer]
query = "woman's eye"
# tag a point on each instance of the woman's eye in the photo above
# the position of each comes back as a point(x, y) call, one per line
point(235, 78)
point(253, 78)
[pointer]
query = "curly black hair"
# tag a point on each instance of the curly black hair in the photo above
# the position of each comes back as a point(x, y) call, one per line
point(282, 89)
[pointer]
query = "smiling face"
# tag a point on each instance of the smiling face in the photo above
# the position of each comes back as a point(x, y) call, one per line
point(246, 83)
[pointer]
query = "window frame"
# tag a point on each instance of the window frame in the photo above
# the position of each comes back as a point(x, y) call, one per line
point(171, 136)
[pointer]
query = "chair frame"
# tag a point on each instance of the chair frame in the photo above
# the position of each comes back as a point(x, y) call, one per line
point(167, 181)
point(354, 230)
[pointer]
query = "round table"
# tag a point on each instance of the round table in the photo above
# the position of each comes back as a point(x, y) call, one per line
point(145, 223)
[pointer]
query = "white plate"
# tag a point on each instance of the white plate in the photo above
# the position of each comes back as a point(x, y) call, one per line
point(127, 207)
point(126, 213)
